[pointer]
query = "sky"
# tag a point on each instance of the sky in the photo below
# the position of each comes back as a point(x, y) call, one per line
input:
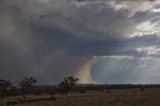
point(98, 41)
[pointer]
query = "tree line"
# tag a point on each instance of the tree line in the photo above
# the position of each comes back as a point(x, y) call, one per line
point(27, 84)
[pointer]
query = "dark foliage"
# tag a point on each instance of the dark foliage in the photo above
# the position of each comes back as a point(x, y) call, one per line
point(27, 84)
point(68, 83)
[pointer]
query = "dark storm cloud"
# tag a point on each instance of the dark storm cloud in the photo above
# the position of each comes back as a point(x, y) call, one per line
point(74, 46)
point(53, 39)
point(113, 46)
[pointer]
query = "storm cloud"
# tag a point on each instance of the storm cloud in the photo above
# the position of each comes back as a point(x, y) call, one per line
point(51, 39)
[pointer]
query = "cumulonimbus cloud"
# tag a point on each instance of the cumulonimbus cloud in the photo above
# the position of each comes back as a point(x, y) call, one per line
point(53, 39)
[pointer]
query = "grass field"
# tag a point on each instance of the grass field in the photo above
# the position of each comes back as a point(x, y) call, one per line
point(117, 97)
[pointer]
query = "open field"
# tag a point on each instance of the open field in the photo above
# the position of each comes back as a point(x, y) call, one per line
point(114, 97)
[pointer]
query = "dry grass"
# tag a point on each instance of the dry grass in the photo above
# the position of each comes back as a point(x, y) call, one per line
point(125, 97)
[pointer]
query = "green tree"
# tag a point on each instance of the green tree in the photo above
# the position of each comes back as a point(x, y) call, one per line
point(27, 84)
point(68, 83)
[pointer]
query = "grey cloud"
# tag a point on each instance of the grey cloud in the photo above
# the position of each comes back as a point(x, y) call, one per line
point(57, 38)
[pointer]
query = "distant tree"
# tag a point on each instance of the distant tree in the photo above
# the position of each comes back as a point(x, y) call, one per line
point(68, 83)
point(27, 84)
point(3, 87)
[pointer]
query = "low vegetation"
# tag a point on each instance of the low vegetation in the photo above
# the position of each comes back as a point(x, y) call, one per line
point(79, 95)
point(117, 97)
